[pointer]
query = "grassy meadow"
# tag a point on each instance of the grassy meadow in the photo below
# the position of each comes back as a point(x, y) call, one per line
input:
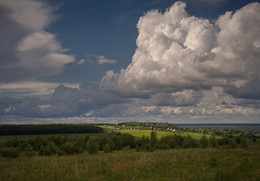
point(191, 164)
point(180, 164)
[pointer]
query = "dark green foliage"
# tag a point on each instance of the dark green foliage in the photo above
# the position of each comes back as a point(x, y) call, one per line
point(14, 143)
point(177, 141)
point(107, 148)
point(10, 152)
point(143, 144)
point(203, 143)
point(223, 141)
point(115, 138)
point(163, 146)
point(238, 139)
point(244, 143)
point(213, 142)
point(153, 139)
point(127, 148)
point(49, 149)
point(70, 148)
point(189, 142)
point(149, 125)
point(48, 129)
point(39, 143)
point(128, 139)
point(232, 143)
point(92, 145)
point(59, 139)
point(109, 142)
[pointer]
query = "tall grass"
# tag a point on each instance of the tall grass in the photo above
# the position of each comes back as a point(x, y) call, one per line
point(181, 164)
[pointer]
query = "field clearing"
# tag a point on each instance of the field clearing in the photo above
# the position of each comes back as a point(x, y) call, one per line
point(160, 134)
point(180, 164)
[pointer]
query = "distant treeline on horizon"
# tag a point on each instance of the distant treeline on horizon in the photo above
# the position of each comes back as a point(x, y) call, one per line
point(33, 129)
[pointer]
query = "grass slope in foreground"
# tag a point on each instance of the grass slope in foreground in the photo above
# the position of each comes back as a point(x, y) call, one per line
point(181, 164)
point(174, 164)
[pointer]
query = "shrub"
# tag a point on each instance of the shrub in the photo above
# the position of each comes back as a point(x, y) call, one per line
point(203, 142)
point(163, 146)
point(244, 143)
point(107, 148)
point(10, 152)
point(70, 148)
point(127, 148)
point(213, 142)
point(92, 145)
point(29, 153)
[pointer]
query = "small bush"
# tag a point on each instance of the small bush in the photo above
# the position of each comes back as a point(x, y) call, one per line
point(70, 148)
point(92, 145)
point(10, 152)
point(49, 149)
point(203, 142)
point(29, 153)
point(244, 143)
point(107, 148)
point(127, 148)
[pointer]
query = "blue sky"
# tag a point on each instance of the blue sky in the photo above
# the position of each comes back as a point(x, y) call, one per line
point(123, 60)
point(108, 28)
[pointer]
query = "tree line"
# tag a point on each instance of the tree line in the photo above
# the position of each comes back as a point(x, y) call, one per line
point(108, 142)
point(48, 129)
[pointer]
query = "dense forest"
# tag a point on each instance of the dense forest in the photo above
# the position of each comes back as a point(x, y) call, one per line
point(108, 142)
point(65, 143)
point(40, 129)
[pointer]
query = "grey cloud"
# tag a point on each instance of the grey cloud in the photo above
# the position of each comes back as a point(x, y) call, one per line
point(184, 98)
point(90, 101)
point(251, 91)
point(65, 101)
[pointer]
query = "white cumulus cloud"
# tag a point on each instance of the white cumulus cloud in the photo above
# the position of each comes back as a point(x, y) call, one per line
point(176, 51)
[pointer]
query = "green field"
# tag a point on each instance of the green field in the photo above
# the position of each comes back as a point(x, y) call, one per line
point(180, 164)
point(160, 134)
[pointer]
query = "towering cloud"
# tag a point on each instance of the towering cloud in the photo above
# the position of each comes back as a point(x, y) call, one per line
point(176, 51)
point(27, 51)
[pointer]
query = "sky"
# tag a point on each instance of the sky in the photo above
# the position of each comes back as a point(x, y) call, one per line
point(193, 61)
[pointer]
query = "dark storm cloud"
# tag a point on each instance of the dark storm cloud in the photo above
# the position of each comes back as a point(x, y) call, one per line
point(65, 101)
point(251, 91)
